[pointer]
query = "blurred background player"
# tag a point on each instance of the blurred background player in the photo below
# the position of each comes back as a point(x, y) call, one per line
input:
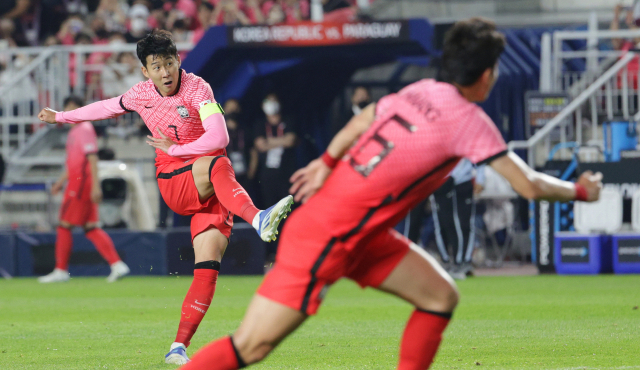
point(454, 211)
point(347, 230)
point(81, 198)
point(194, 174)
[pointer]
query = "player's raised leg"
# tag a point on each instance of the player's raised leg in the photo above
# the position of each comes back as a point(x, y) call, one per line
point(209, 248)
point(216, 175)
point(419, 280)
point(265, 324)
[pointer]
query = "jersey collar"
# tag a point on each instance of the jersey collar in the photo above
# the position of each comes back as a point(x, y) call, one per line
point(177, 88)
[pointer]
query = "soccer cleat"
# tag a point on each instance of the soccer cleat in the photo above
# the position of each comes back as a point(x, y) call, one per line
point(118, 270)
point(56, 276)
point(177, 356)
point(271, 217)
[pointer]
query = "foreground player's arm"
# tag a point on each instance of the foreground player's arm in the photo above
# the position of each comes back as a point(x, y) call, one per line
point(103, 109)
point(96, 189)
point(215, 134)
point(308, 180)
point(534, 185)
point(57, 186)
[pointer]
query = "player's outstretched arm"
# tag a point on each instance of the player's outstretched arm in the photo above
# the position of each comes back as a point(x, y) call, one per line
point(308, 180)
point(103, 109)
point(538, 186)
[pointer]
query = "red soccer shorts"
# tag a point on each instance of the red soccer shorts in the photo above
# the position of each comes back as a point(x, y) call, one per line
point(309, 260)
point(78, 210)
point(179, 191)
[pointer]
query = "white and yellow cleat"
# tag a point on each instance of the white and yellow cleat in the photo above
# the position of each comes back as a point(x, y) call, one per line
point(271, 217)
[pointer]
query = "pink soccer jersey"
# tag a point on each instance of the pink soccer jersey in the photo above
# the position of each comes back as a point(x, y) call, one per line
point(176, 115)
point(418, 137)
point(81, 142)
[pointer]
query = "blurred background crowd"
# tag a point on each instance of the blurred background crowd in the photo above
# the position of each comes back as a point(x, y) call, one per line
point(68, 22)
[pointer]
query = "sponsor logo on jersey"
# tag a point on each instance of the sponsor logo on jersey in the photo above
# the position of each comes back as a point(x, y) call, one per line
point(183, 111)
point(203, 103)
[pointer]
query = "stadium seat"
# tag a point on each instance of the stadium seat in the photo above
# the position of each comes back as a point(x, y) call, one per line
point(605, 215)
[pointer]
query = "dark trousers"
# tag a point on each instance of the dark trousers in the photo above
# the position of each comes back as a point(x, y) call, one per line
point(454, 211)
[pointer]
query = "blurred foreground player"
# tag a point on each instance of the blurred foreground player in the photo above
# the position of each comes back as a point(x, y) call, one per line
point(194, 174)
point(406, 146)
point(80, 203)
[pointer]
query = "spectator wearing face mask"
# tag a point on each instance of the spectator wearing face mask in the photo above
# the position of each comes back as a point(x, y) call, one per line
point(120, 74)
point(70, 28)
point(275, 141)
point(113, 14)
point(138, 24)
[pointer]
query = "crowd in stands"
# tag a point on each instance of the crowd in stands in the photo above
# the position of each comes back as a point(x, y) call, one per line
point(69, 22)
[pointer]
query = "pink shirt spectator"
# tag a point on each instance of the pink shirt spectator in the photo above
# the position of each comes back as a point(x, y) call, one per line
point(81, 141)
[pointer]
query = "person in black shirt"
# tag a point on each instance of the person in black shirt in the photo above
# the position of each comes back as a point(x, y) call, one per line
point(275, 141)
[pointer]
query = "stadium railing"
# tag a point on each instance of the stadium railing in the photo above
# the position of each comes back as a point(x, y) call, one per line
point(591, 96)
point(38, 77)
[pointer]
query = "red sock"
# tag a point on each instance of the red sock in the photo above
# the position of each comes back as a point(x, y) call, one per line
point(64, 243)
point(229, 192)
point(198, 299)
point(103, 244)
point(421, 339)
point(219, 355)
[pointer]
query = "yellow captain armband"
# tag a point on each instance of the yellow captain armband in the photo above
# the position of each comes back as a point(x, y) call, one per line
point(208, 109)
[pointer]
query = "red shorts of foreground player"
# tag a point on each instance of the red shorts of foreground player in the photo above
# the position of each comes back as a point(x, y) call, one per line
point(309, 260)
point(179, 191)
point(78, 209)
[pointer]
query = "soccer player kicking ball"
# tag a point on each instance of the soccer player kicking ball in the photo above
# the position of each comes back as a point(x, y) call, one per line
point(80, 203)
point(405, 147)
point(194, 175)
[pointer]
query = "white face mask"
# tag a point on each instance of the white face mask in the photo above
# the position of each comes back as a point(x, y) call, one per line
point(271, 107)
point(138, 25)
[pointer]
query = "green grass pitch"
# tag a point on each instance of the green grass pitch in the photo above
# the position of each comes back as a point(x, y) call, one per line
point(536, 322)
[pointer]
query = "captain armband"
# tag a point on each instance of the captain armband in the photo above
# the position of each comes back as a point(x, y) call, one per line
point(208, 109)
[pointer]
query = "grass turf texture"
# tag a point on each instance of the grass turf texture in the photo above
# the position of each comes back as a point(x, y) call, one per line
point(537, 322)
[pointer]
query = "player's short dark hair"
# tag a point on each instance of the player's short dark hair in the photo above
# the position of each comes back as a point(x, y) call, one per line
point(157, 43)
point(73, 99)
point(470, 47)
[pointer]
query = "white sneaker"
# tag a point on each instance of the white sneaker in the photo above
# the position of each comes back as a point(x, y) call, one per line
point(118, 270)
point(56, 276)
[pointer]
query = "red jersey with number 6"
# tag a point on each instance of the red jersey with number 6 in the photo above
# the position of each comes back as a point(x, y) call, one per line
point(176, 115)
point(417, 138)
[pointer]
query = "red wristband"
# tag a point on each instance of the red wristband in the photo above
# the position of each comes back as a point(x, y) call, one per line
point(581, 193)
point(329, 160)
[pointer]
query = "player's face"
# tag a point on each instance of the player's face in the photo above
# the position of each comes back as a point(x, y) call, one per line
point(164, 72)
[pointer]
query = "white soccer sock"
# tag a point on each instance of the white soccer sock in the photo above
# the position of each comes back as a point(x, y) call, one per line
point(256, 221)
point(175, 345)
